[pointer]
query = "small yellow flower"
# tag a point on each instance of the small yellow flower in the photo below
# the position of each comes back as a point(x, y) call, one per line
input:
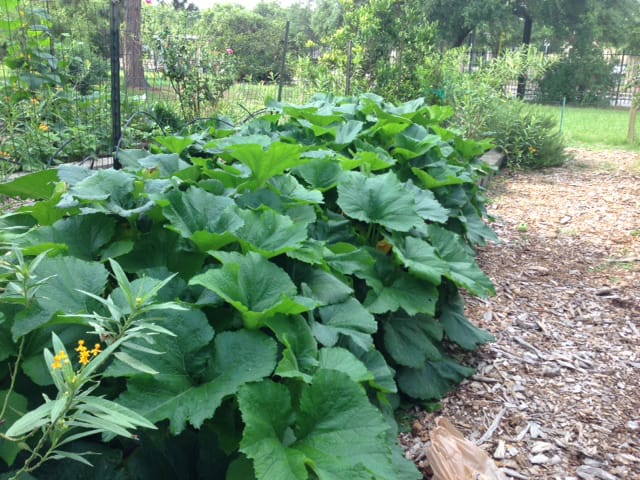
point(58, 359)
point(44, 127)
point(85, 354)
point(35, 101)
point(96, 350)
point(84, 357)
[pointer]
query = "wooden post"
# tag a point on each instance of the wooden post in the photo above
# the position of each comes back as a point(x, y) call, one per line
point(631, 132)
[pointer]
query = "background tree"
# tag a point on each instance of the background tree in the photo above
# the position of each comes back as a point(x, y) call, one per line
point(133, 66)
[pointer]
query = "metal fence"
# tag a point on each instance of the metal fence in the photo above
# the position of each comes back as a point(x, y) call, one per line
point(72, 92)
point(622, 69)
point(78, 81)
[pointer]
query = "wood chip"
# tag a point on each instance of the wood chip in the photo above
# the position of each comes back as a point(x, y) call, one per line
point(566, 317)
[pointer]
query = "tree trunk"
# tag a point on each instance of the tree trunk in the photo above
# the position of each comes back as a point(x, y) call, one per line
point(133, 68)
point(631, 131)
point(526, 40)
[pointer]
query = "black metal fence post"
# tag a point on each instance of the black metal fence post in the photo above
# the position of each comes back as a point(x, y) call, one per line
point(116, 128)
point(283, 67)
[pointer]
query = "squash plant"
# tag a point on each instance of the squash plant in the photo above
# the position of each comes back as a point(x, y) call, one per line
point(291, 278)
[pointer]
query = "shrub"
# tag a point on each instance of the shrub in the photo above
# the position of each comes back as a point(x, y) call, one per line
point(529, 140)
point(259, 294)
point(482, 108)
point(476, 95)
point(586, 79)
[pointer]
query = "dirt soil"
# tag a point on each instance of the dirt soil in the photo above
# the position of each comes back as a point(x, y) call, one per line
point(557, 395)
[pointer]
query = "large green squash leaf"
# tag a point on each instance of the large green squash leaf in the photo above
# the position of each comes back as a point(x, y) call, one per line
point(209, 220)
point(321, 173)
point(174, 395)
point(380, 199)
point(300, 353)
point(348, 132)
point(434, 380)
point(419, 257)
point(427, 206)
point(269, 233)
point(349, 319)
point(383, 374)
point(291, 191)
point(39, 185)
point(257, 288)
point(266, 164)
point(81, 236)
point(108, 191)
point(458, 328)
point(175, 144)
point(165, 164)
point(60, 293)
point(342, 360)
point(463, 269)
point(411, 341)
point(161, 247)
point(322, 285)
point(407, 292)
point(337, 433)
point(477, 231)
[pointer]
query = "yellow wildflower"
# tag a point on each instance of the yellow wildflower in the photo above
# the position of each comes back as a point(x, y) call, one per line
point(96, 350)
point(85, 354)
point(35, 101)
point(44, 127)
point(58, 359)
point(84, 357)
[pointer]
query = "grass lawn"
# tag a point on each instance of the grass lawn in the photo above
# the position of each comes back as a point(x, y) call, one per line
point(596, 128)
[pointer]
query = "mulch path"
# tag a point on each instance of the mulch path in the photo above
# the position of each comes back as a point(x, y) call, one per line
point(557, 395)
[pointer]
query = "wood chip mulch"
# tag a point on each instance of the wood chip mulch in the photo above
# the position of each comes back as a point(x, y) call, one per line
point(557, 395)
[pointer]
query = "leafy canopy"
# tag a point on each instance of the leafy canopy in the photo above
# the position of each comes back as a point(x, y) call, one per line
point(317, 256)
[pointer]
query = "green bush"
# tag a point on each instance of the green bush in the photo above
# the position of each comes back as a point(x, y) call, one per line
point(586, 79)
point(483, 110)
point(529, 140)
point(256, 297)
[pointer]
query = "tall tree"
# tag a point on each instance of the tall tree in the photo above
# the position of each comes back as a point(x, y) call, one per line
point(133, 66)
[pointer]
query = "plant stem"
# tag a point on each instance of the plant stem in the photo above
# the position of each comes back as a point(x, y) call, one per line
point(13, 374)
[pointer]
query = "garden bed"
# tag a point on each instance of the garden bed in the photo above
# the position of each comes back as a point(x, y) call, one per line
point(556, 396)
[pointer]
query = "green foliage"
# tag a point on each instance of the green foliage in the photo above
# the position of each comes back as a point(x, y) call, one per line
point(479, 95)
point(530, 139)
point(482, 109)
point(388, 39)
point(198, 74)
point(584, 78)
point(262, 292)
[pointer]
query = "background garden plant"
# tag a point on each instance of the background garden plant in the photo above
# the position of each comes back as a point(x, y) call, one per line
point(317, 255)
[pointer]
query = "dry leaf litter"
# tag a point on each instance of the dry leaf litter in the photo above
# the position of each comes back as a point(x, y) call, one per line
point(556, 396)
